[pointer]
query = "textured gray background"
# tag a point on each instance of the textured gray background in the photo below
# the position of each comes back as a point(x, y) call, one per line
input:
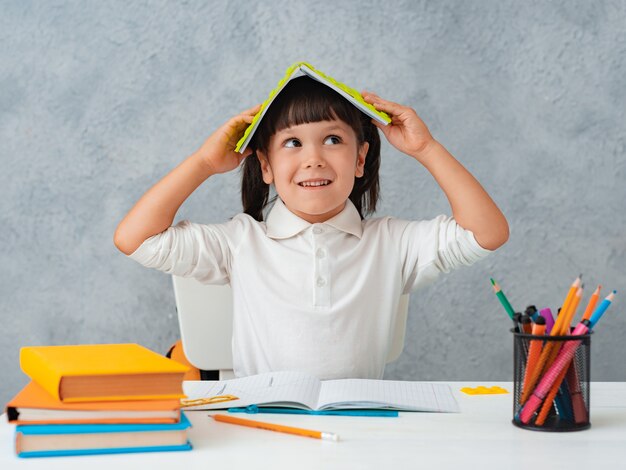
point(98, 100)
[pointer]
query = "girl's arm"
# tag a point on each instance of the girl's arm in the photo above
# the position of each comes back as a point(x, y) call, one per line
point(156, 209)
point(472, 207)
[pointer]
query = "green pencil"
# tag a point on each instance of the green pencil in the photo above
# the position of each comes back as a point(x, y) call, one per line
point(503, 300)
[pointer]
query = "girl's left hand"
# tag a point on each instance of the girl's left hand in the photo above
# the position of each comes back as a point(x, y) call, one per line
point(406, 131)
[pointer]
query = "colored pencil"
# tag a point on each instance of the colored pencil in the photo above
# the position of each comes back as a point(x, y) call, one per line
point(592, 303)
point(276, 427)
point(599, 311)
point(551, 349)
point(503, 300)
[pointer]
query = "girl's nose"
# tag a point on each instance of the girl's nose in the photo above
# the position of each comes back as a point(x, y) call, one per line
point(314, 160)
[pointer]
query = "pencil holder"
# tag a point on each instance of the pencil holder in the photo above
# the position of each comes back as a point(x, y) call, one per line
point(551, 382)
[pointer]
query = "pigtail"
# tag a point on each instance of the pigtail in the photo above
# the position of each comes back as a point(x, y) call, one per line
point(366, 189)
point(254, 191)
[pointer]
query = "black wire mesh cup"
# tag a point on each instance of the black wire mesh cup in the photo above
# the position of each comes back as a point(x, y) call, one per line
point(542, 407)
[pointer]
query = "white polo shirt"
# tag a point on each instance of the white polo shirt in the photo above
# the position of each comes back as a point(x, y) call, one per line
point(319, 298)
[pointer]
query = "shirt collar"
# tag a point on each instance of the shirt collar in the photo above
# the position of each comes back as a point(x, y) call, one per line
point(282, 223)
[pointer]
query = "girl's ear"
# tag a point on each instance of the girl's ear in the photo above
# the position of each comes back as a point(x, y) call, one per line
point(266, 169)
point(360, 159)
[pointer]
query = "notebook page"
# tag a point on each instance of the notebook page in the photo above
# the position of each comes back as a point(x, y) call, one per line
point(277, 388)
point(402, 395)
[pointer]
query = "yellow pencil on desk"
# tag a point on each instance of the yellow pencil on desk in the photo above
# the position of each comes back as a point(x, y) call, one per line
point(327, 436)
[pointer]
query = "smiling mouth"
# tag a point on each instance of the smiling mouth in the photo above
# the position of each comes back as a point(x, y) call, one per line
point(314, 184)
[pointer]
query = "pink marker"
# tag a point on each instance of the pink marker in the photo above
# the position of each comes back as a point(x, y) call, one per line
point(562, 360)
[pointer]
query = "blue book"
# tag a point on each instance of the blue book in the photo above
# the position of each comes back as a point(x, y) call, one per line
point(47, 440)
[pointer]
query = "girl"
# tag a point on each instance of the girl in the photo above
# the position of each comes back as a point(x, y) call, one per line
point(315, 285)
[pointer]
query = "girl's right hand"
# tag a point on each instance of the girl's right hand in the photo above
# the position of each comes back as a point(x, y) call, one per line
point(218, 151)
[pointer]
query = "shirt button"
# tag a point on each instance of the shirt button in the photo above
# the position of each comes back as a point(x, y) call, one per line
point(320, 253)
point(317, 230)
point(321, 282)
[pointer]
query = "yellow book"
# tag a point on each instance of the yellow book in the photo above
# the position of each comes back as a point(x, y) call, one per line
point(300, 69)
point(102, 372)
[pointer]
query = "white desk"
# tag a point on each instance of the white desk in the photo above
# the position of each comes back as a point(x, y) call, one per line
point(482, 434)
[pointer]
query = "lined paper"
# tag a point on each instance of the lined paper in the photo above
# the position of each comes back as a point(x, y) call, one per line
point(274, 387)
point(298, 390)
point(396, 394)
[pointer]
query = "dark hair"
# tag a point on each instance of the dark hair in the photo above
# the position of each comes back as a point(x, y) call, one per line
point(305, 100)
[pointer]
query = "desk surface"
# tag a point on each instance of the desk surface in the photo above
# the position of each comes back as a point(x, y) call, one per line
point(482, 433)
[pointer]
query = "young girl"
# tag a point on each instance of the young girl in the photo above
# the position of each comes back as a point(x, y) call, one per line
point(316, 285)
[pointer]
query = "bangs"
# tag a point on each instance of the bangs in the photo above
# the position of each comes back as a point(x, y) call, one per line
point(304, 100)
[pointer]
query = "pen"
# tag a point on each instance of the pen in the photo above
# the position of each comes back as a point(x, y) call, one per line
point(534, 352)
point(578, 403)
point(532, 311)
point(547, 314)
point(526, 322)
point(328, 436)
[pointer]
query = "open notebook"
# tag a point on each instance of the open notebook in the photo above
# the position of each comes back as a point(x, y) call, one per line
point(303, 391)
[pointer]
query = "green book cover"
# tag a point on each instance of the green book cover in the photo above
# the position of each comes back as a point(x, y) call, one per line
point(300, 69)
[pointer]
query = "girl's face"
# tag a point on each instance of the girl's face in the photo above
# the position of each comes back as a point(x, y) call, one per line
point(313, 166)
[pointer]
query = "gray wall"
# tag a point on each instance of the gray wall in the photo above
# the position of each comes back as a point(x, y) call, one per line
point(98, 100)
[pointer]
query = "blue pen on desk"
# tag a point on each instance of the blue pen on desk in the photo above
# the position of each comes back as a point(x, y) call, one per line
point(254, 409)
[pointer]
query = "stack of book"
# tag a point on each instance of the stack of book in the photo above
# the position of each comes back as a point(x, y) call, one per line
point(98, 399)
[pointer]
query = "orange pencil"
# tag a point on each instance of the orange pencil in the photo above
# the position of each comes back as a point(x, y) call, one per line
point(549, 352)
point(592, 303)
point(558, 328)
point(539, 328)
point(276, 427)
point(567, 321)
point(553, 349)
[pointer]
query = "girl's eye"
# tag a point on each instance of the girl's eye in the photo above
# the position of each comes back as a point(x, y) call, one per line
point(296, 143)
point(335, 138)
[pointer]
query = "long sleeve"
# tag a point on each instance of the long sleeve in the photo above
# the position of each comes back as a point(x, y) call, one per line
point(186, 249)
point(430, 247)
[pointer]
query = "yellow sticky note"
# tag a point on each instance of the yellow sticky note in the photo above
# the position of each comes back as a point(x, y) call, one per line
point(482, 390)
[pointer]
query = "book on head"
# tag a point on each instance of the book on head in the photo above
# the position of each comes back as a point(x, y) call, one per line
point(300, 69)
